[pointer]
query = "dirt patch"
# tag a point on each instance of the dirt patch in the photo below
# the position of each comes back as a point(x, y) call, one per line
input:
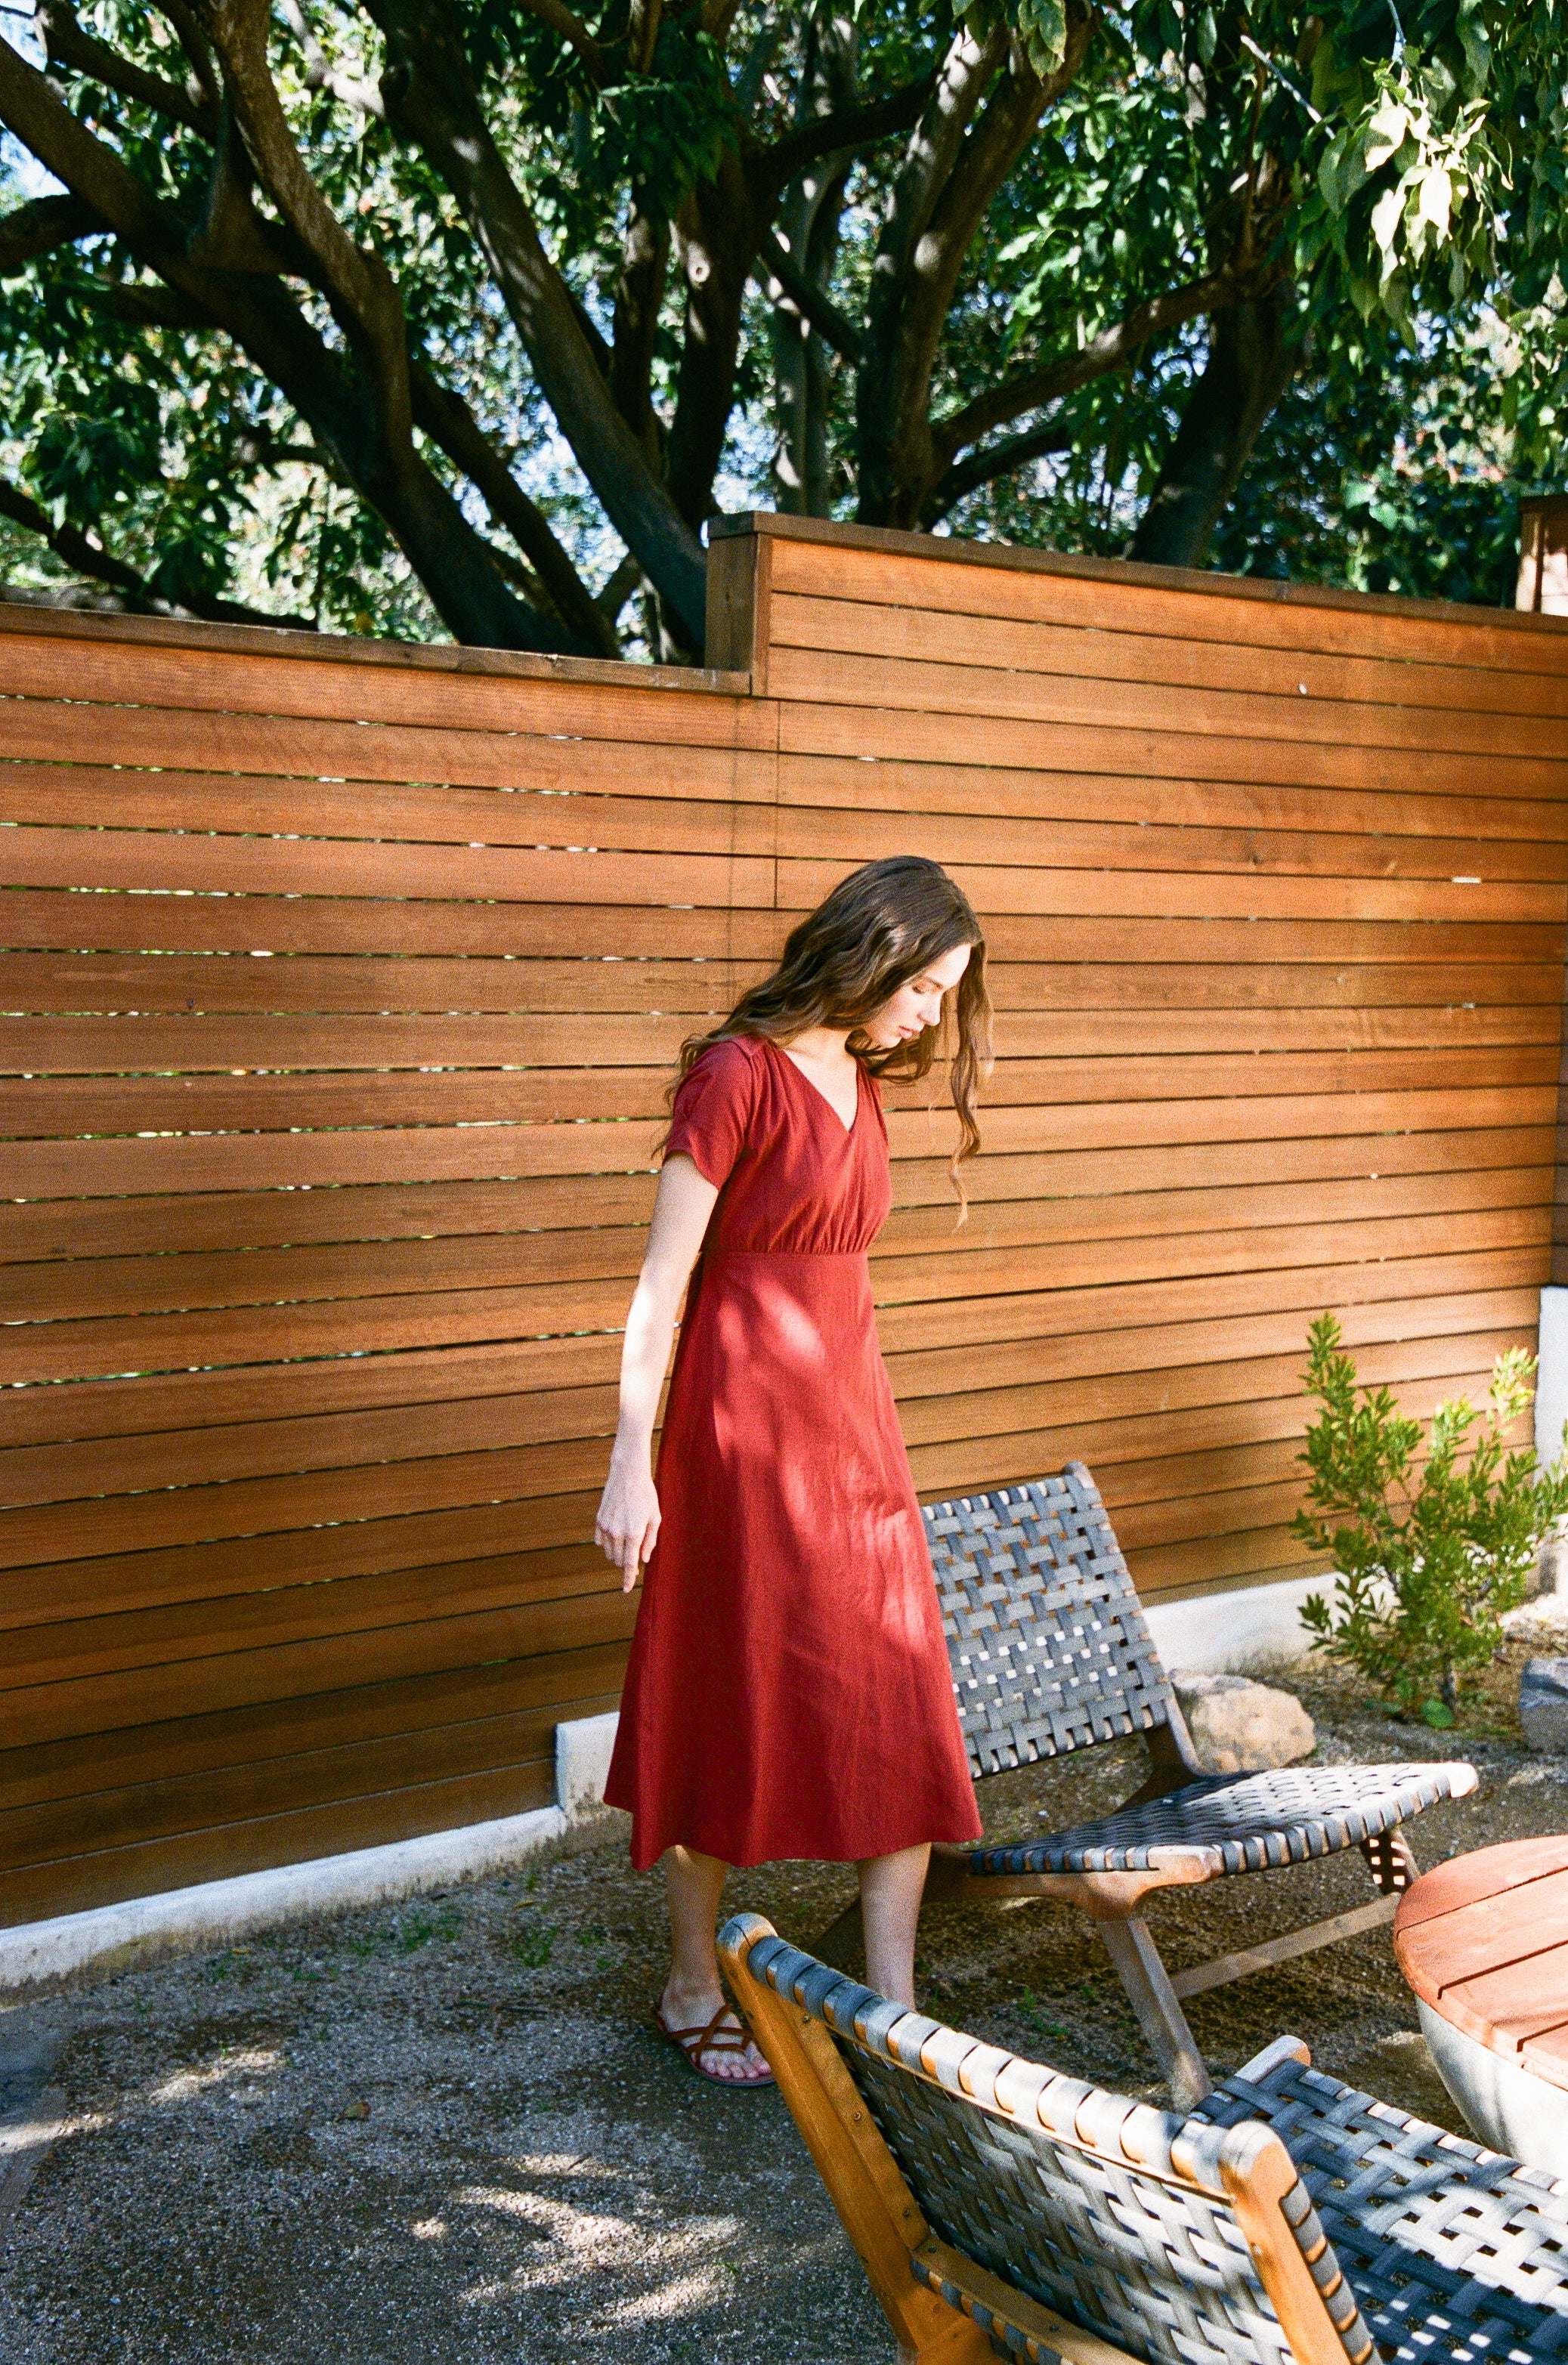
point(446, 2134)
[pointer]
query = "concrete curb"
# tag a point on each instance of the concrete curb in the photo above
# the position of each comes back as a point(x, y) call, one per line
point(114, 1938)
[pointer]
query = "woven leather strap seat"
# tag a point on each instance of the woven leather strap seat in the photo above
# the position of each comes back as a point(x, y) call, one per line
point(1288, 2217)
point(1242, 1822)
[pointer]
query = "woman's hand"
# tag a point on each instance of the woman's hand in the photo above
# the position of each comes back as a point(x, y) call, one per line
point(627, 1526)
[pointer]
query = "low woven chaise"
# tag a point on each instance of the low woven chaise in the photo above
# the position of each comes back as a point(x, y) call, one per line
point(1000, 2208)
point(1051, 1652)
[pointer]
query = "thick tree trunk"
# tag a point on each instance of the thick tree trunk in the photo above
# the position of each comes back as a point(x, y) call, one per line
point(810, 220)
point(1251, 361)
point(430, 94)
point(450, 558)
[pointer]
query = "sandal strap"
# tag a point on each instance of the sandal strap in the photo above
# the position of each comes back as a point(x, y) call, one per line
point(695, 2042)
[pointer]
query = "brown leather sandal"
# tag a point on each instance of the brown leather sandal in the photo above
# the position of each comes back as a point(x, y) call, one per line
point(695, 2042)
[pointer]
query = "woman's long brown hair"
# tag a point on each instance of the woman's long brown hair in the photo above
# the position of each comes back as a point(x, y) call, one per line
point(880, 928)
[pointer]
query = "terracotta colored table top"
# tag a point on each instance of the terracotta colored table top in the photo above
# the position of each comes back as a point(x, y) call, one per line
point(1484, 1941)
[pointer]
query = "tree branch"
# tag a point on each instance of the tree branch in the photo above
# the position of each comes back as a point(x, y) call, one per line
point(356, 284)
point(810, 301)
point(145, 308)
point(74, 46)
point(639, 293)
point(891, 428)
point(620, 588)
point(849, 127)
point(192, 40)
point(572, 30)
point(89, 557)
point(450, 558)
point(430, 98)
point(641, 33)
point(444, 415)
point(1113, 348)
point(996, 460)
point(40, 226)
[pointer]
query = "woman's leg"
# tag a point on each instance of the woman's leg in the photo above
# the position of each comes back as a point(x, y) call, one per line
point(692, 1993)
point(891, 1891)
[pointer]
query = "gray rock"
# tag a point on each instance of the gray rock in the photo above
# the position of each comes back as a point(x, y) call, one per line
point(1241, 1727)
point(1543, 1704)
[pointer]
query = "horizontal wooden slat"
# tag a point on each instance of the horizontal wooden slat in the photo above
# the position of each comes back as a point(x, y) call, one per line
point(68, 919)
point(704, 808)
point(1051, 788)
point(175, 923)
point(324, 1664)
point(941, 639)
point(631, 706)
point(993, 693)
point(93, 1468)
point(285, 1728)
point(160, 1634)
point(74, 1883)
point(440, 1248)
point(576, 990)
point(865, 730)
point(505, 1749)
point(316, 821)
point(1257, 615)
point(1088, 994)
point(1430, 1334)
point(431, 1538)
point(168, 861)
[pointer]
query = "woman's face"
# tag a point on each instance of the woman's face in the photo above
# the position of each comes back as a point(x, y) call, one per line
point(918, 1004)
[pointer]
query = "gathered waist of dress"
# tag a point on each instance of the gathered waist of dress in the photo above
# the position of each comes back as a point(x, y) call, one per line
point(784, 1256)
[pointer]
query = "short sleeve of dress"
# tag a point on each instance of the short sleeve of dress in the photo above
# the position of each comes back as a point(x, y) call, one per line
point(712, 1111)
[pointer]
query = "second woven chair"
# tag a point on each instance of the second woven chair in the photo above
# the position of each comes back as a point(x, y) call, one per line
point(1051, 1652)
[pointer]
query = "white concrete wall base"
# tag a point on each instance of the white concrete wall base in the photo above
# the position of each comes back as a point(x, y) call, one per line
point(1259, 1626)
point(114, 1938)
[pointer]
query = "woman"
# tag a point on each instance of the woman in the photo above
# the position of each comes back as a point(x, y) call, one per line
point(789, 1692)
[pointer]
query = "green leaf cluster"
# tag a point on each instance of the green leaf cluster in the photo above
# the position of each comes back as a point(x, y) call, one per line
point(1431, 1552)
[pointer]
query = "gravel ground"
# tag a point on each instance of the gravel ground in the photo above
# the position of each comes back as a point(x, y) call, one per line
point(445, 2133)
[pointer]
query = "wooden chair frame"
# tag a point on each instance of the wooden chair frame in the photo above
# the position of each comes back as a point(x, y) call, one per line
point(944, 2308)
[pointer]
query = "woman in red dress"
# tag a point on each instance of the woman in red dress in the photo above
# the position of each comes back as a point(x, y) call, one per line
point(789, 1691)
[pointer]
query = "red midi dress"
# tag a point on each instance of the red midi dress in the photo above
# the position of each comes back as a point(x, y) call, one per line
point(789, 1692)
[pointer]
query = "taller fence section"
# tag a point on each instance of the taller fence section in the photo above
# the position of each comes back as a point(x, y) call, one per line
point(345, 989)
point(1273, 883)
point(341, 986)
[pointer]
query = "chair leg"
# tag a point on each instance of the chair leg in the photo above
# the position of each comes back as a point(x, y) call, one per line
point(1160, 2015)
point(1391, 1861)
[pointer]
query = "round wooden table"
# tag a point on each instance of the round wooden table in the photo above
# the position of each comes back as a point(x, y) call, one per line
point(1483, 1942)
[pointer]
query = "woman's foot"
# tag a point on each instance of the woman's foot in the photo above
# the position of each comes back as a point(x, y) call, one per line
point(711, 2037)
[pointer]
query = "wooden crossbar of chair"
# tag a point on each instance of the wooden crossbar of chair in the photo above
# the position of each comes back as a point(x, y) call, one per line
point(1051, 1653)
point(999, 2206)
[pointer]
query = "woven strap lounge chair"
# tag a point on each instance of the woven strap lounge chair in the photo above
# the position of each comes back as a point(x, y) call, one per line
point(1000, 2208)
point(1051, 1652)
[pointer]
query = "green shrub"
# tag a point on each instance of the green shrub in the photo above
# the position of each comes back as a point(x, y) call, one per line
point(1429, 1558)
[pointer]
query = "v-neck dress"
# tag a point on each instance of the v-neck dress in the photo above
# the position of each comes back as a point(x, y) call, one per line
point(789, 1692)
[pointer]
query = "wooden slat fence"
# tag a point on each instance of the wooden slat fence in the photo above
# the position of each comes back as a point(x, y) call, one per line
point(342, 984)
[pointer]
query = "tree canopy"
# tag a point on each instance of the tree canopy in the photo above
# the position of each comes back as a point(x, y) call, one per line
point(466, 315)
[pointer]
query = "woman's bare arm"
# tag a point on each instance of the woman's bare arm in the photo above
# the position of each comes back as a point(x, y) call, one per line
point(627, 1523)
